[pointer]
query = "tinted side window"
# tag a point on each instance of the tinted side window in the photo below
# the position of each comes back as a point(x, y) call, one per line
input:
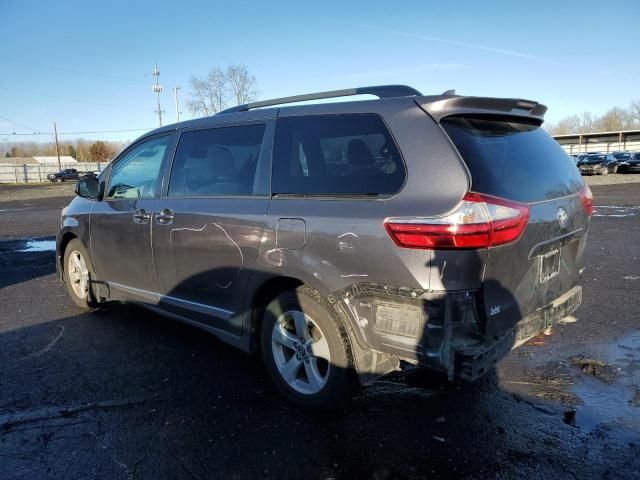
point(217, 161)
point(137, 173)
point(335, 155)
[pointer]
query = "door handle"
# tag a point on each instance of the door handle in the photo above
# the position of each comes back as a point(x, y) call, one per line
point(164, 217)
point(141, 216)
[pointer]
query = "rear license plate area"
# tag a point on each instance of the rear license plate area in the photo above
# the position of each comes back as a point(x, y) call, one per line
point(549, 265)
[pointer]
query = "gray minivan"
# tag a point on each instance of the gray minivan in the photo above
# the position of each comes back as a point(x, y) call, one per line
point(339, 239)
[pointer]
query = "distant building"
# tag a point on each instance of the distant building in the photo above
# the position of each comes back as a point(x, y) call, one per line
point(39, 160)
point(66, 159)
point(628, 140)
point(11, 161)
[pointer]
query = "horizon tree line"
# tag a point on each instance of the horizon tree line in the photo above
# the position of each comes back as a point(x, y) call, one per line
point(614, 119)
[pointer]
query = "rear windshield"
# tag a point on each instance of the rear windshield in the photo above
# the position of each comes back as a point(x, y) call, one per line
point(513, 159)
point(622, 156)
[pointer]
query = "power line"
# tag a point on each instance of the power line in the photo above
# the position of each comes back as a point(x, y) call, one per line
point(78, 133)
point(20, 124)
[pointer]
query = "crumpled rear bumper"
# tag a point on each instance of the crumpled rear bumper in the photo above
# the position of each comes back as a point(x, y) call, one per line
point(473, 362)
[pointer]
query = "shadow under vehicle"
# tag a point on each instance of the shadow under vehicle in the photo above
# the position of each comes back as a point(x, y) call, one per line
point(340, 239)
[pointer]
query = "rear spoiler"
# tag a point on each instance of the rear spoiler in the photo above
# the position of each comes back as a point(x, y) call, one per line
point(444, 106)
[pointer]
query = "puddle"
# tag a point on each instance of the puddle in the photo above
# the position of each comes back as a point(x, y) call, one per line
point(601, 386)
point(614, 402)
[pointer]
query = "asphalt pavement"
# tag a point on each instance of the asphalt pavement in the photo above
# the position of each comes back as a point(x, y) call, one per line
point(120, 392)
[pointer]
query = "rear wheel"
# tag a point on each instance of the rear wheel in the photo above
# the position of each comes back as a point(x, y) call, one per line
point(59, 179)
point(604, 171)
point(78, 274)
point(305, 350)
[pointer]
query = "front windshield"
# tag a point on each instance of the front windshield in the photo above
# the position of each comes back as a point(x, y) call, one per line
point(595, 158)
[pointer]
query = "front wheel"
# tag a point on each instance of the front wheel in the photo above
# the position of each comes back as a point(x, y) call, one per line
point(305, 350)
point(604, 171)
point(78, 274)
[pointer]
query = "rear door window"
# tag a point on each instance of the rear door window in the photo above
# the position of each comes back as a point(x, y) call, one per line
point(335, 155)
point(216, 162)
point(513, 159)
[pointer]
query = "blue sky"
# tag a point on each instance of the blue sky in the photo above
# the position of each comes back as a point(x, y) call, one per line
point(87, 65)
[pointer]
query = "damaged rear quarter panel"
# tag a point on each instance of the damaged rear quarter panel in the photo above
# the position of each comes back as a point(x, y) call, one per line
point(345, 242)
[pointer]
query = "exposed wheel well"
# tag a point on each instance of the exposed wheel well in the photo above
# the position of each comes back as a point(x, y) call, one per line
point(267, 292)
point(66, 238)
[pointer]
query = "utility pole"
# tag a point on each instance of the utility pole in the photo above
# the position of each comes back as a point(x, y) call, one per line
point(157, 88)
point(55, 133)
point(175, 97)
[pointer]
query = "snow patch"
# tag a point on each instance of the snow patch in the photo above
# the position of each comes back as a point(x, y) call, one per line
point(39, 246)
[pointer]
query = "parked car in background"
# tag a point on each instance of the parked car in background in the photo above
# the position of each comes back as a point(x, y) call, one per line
point(630, 164)
point(338, 239)
point(64, 175)
point(598, 164)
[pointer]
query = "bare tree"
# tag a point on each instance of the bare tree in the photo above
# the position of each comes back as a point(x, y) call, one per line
point(585, 122)
point(241, 83)
point(615, 119)
point(634, 110)
point(209, 94)
point(214, 92)
point(566, 125)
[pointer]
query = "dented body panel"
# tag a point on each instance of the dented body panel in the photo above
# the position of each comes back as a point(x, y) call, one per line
point(204, 259)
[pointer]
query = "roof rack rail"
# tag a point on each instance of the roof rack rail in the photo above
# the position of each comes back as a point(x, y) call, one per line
point(380, 91)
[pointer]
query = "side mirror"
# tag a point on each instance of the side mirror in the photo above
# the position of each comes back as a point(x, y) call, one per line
point(87, 187)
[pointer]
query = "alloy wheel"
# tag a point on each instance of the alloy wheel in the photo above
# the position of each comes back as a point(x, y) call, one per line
point(78, 274)
point(301, 352)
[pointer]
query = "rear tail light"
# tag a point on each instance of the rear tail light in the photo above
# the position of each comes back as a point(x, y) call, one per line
point(480, 221)
point(586, 198)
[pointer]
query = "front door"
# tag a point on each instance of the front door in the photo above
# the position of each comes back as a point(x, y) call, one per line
point(121, 222)
point(207, 230)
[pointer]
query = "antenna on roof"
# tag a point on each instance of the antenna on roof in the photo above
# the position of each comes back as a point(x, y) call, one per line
point(450, 92)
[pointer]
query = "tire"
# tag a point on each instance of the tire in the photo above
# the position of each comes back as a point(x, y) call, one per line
point(604, 171)
point(320, 376)
point(78, 274)
point(59, 180)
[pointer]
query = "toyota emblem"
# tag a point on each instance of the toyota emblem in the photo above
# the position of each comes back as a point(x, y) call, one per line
point(563, 217)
